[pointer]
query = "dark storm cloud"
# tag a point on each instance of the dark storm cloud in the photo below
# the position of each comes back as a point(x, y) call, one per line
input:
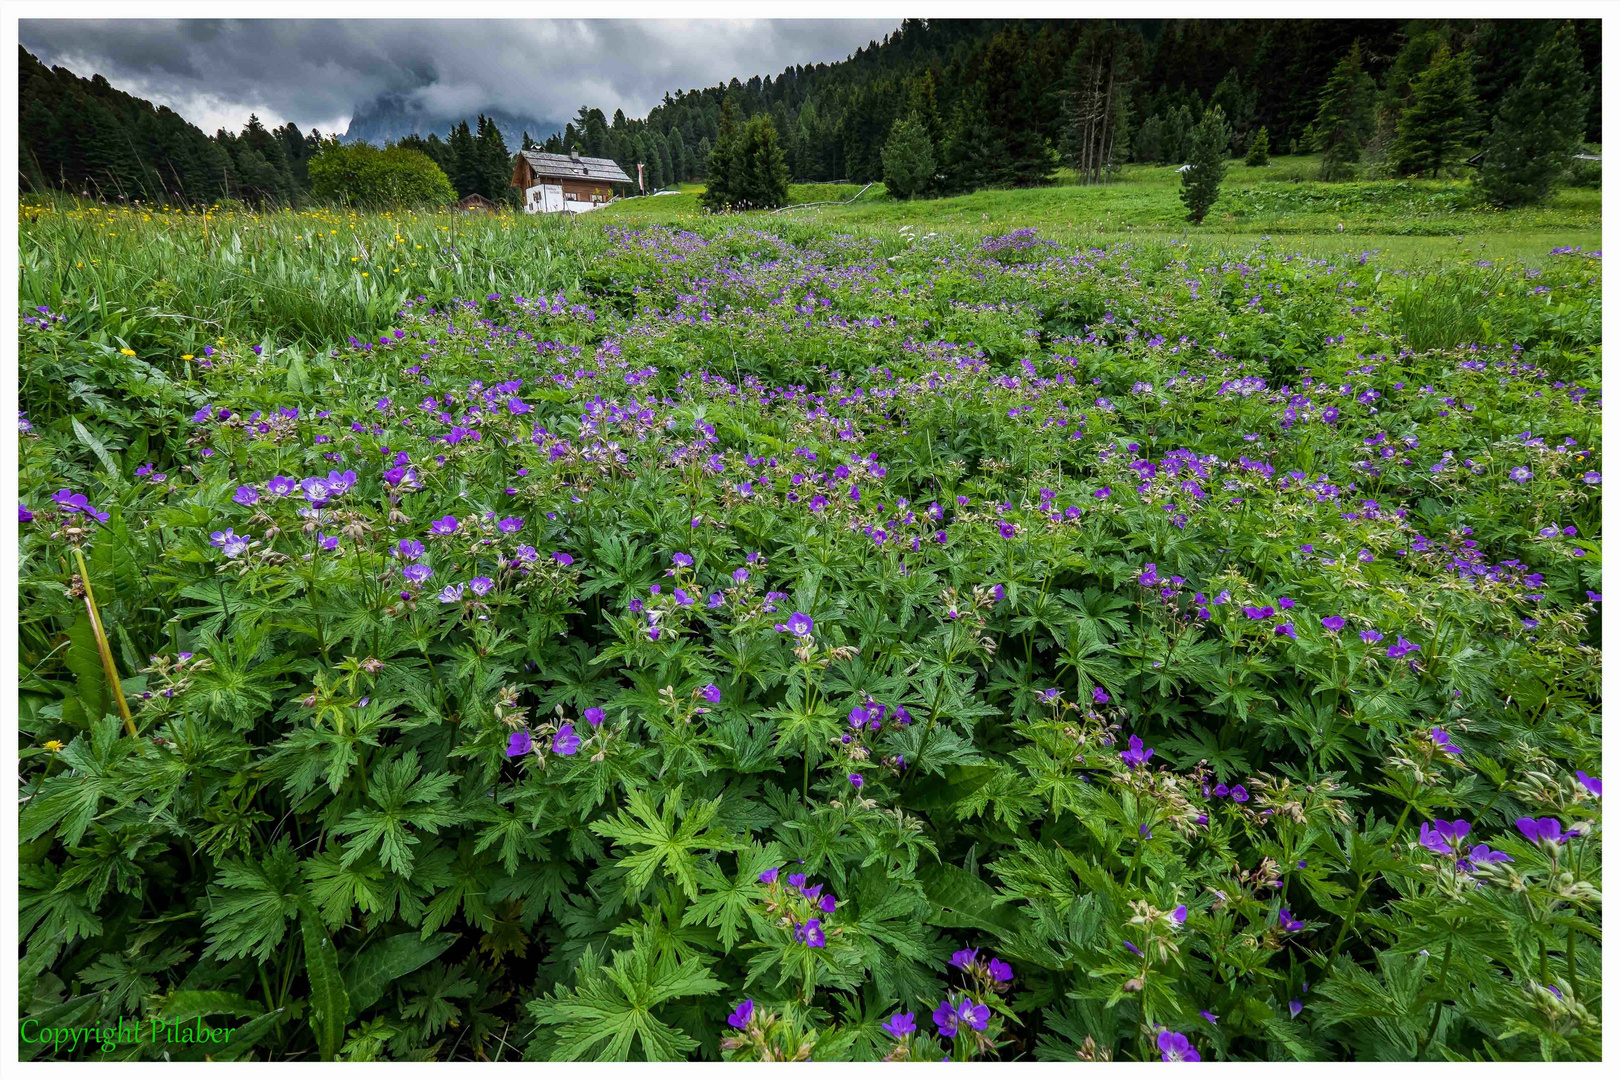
point(315, 73)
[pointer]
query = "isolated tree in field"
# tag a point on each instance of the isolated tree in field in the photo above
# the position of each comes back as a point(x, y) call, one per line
point(723, 166)
point(1344, 117)
point(748, 169)
point(1201, 183)
point(1538, 127)
point(908, 158)
point(1259, 149)
point(1440, 120)
point(765, 171)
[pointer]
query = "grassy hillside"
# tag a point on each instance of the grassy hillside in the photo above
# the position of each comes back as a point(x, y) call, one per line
point(1413, 217)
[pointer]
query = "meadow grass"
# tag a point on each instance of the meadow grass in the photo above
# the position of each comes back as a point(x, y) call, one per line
point(1281, 200)
point(156, 280)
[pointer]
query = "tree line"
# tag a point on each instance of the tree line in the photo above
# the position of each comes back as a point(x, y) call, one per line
point(937, 107)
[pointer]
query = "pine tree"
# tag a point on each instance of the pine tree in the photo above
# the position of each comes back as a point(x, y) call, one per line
point(724, 169)
point(680, 157)
point(1259, 149)
point(908, 158)
point(1094, 115)
point(971, 148)
point(1344, 117)
point(1011, 98)
point(1149, 146)
point(1538, 127)
point(1437, 126)
point(1201, 183)
point(494, 163)
point(463, 154)
point(762, 165)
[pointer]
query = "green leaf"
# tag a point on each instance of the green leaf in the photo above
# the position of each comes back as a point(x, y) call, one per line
point(326, 993)
point(183, 1006)
point(368, 975)
point(611, 1012)
point(662, 842)
point(960, 900)
point(96, 446)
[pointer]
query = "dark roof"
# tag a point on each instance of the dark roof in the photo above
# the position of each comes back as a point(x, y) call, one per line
point(593, 168)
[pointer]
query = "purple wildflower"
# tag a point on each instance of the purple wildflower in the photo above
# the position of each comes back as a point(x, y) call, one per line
point(1135, 756)
point(1173, 1046)
point(565, 742)
point(1537, 830)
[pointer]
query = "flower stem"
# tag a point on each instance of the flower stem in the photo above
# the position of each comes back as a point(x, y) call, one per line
point(103, 646)
point(1569, 959)
point(1434, 1024)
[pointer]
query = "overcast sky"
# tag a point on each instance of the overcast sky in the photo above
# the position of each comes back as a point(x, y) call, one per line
point(314, 73)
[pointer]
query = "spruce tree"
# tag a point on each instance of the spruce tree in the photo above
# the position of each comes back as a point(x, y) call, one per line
point(971, 149)
point(1201, 183)
point(1259, 149)
point(724, 164)
point(1344, 117)
point(1538, 127)
point(494, 163)
point(1439, 122)
point(463, 154)
point(679, 157)
point(762, 166)
point(908, 158)
point(1149, 147)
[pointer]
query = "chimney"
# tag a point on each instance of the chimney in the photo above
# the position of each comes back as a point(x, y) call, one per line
point(574, 153)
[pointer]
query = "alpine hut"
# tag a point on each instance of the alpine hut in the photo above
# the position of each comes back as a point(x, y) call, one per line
point(476, 203)
point(556, 182)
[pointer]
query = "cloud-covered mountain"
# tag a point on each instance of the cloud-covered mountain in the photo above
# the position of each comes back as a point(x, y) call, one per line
point(392, 116)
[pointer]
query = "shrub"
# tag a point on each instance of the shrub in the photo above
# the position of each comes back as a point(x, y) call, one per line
point(362, 175)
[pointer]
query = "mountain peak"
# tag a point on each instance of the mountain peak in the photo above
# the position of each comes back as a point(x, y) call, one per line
point(390, 117)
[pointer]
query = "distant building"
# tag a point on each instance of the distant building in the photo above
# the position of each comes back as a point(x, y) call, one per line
point(476, 203)
point(552, 183)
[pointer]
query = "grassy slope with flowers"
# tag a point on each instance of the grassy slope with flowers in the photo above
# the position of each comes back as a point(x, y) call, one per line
point(754, 640)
